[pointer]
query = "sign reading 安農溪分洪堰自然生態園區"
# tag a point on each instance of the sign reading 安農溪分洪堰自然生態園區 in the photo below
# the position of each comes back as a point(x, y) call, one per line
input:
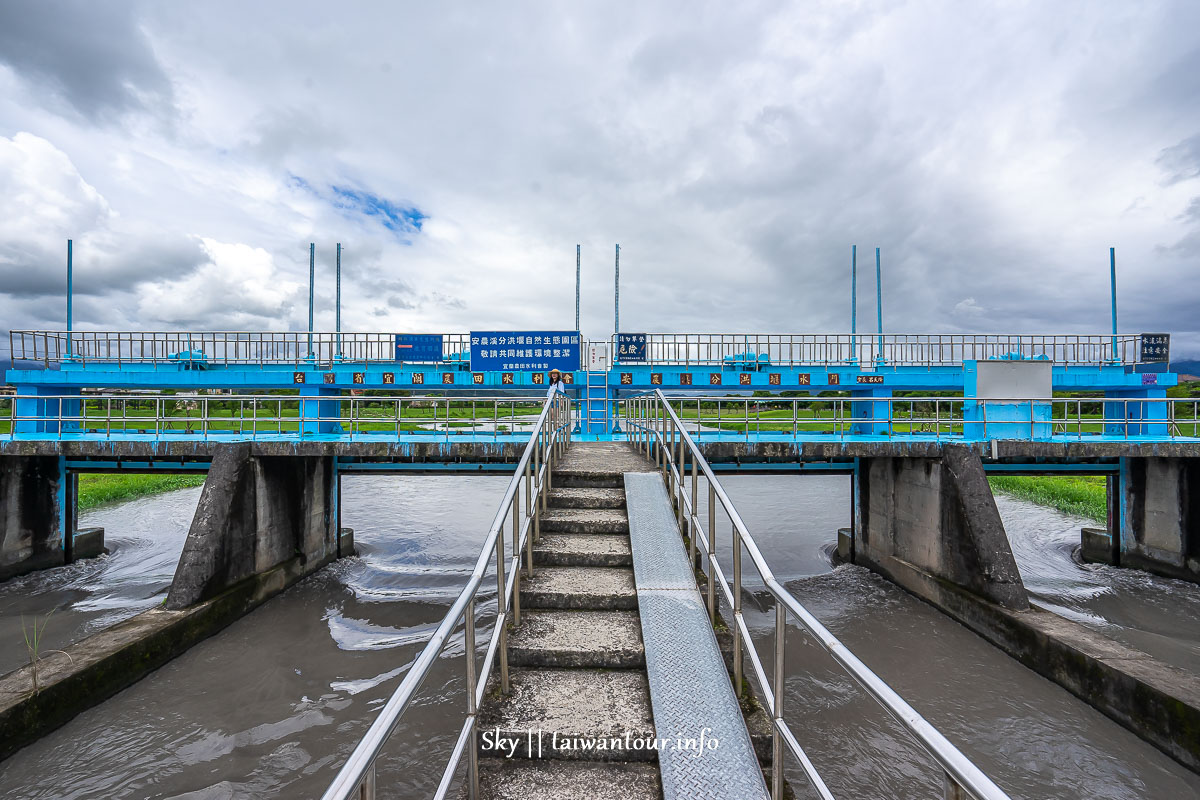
point(524, 350)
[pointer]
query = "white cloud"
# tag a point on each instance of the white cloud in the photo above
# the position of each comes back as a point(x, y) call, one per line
point(238, 288)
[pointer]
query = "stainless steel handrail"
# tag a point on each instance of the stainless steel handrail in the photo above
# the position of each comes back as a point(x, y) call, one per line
point(755, 351)
point(356, 779)
point(941, 418)
point(661, 434)
point(733, 350)
point(256, 416)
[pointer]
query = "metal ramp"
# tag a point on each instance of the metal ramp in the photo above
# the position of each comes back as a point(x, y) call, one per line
point(705, 750)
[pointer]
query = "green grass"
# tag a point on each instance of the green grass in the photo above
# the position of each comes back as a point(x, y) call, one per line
point(1084, 497)
point(97, 490)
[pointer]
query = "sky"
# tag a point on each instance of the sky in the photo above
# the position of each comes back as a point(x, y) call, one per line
point(993, 151)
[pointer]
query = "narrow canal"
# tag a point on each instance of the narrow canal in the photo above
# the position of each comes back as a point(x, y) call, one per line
point(270, 706)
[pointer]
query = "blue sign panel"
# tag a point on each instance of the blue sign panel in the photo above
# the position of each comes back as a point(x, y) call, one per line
point(524, 350)
point(631, 348)
point(418, 347)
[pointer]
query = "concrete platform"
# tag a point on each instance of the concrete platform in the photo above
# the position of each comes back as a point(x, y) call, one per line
point(585, 520)
point(587, 498)
point(595, 588)
point(509, 779)
point(549, 638)
point(583, 550)
point(573, 714)
point(603, 457)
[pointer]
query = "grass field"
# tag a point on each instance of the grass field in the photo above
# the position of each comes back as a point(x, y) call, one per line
point(98, 490)
point(1085, 497)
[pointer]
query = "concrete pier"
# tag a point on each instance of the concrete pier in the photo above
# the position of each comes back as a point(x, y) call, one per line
point(932, 527)
point(1159, 516)
point(33, 518)
point(924, 522)
point(254, 514)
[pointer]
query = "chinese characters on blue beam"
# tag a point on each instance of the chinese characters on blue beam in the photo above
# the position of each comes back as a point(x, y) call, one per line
point(631, 347)
point(524, 350)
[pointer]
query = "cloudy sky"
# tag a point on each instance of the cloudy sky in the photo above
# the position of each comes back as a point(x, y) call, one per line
point(736, 151)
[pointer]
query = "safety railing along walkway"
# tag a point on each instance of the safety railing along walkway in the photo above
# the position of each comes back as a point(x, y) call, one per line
point(939, 418)
point(254, 417)
point(201, 349)
point(264, 417)
point(659, 431)
point(547, 442)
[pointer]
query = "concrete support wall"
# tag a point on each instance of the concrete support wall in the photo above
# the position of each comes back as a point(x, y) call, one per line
point(1160, 515)
point(254, 514)
point(32, 518)
point(923, 521)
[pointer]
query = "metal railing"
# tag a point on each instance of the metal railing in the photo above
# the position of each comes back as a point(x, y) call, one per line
point(949, 418)
point(549, 440)
point(173, 348)
point(374, 417)
point(264, 416)
point(759, 350)
point(661, 435)
point(733, 350)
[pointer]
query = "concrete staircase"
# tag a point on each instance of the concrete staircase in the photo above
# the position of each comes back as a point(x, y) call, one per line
point(576, 661)
point(577, 664)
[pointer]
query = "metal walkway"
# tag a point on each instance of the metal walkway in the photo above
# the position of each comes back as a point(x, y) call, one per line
point(707, 751)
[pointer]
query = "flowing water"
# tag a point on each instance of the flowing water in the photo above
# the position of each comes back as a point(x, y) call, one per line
point(273, 704)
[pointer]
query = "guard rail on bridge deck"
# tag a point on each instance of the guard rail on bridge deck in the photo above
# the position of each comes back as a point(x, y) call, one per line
point(662, 435)
point(549, 439)
point(938, 418)
point(376, 418)
point(266, 417)
point(736, 350)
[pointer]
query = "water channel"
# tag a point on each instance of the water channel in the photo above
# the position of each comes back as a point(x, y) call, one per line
point(272, 705)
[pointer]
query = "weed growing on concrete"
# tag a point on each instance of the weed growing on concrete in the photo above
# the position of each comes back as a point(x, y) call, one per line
point(33, 642)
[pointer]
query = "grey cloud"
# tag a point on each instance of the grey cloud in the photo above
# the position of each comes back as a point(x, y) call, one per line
point(736, 152)
point(93, 55)
point(1181, 162)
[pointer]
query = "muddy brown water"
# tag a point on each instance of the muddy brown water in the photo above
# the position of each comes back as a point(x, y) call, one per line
point(271, 706)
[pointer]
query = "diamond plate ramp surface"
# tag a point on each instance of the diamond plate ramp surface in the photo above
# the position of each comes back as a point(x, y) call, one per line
point(690, 691)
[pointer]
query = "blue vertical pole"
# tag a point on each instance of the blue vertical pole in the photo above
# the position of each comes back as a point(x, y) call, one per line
point(1112, 281)
point(617, 294)
point(853, 303)
point(339, 300)
point(878, 307)
point(312, 273)
point(576, 287)
point(70, 293)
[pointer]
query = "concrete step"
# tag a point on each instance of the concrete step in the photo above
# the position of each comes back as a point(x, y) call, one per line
point(595, 588)
point(512, 779)
point(583, 550)
point(565, 710)
point(601, 639)
point(584, 520)
point(587, 478)
point(587, 498)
